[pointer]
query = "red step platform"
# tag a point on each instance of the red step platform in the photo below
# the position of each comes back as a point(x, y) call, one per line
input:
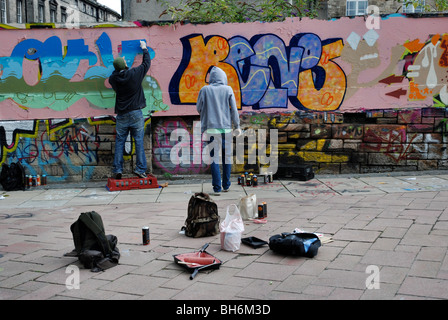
point(132, 183)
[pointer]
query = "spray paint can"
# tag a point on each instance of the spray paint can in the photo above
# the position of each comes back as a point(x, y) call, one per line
point(254, 181)
point(243, 179)
point(30, 181)
point(270, 177)
point(260, 211)
point(44, 180)
point(249, 179)
point(38, 180)
point(145, 235)
point(265, 209)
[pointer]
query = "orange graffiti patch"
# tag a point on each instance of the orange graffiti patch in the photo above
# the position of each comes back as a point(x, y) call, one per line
point(203, 56)
point(189, 81)
point(414, 46)
point(330, 96)
point(415, 93)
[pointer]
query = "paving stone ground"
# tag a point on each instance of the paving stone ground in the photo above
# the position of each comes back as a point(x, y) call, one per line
point(389, 233)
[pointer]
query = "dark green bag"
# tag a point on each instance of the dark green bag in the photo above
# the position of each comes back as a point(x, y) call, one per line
point(12, 177)
point(203, 218)
point(94, 249)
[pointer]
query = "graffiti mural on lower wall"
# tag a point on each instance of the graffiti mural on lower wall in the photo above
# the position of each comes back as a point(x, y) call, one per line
point(342, 96)
point(65, 149)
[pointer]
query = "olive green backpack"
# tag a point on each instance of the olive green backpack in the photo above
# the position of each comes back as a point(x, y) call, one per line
point(203, 218)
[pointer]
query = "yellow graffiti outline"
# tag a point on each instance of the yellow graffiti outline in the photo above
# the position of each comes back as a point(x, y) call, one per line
point(250, 79)
point(16, 144)
point(52, 132)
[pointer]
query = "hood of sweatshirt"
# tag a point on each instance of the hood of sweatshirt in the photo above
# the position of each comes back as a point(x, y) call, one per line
point(122, 77)
point(217, 77)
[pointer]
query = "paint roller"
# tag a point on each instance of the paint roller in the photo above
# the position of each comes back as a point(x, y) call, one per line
point(199, 260)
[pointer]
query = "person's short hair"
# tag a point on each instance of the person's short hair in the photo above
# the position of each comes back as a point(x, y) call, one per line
point(119, 64)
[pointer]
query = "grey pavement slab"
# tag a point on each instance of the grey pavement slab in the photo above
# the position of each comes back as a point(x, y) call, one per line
point(396, 223)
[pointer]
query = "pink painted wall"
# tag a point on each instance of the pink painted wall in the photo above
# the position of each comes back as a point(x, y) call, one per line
point(310, 65)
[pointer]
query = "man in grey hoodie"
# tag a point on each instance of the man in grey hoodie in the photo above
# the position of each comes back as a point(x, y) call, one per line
point(216, 106)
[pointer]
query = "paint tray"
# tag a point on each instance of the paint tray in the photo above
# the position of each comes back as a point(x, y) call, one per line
point(196, 261)
point(254, 242)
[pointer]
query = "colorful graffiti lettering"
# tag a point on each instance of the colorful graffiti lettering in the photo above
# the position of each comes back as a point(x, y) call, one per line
point(425, 65)
point(264, 72)
point(390, 140)
point(47, 74)
point(163, 143)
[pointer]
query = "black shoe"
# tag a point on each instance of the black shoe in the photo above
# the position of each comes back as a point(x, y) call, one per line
point(140, 175)
point(118, 175)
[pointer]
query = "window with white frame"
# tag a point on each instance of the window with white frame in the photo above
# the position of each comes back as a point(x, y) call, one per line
point(356, 7)
point(19, 11)
point(3, 12)
point(52, 15)
point(53, 11)
point(410, 8)
point(63, 14)
point(41, 12)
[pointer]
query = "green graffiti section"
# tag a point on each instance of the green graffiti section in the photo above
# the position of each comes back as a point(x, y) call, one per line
point(46, 74)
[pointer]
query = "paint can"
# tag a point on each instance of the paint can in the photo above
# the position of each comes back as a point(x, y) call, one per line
point(260, 211)
point(145, 235)
point(254, 181)
point(270, 177)
point(265, 209)
point(249, 179)
point(265, 178)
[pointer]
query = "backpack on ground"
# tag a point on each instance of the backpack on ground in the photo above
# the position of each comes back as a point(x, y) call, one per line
point(202, 219)
point(95, 250)
point(12, 177)
point(296, 244)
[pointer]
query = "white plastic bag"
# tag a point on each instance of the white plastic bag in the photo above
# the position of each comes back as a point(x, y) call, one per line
point(248, 207)
point(231, 229)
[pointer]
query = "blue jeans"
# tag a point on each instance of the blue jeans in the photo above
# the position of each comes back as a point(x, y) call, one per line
point(131, 122)
point(226, 160)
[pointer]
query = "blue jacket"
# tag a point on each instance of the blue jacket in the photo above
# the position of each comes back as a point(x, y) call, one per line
point(216, 103)
point(127, 85)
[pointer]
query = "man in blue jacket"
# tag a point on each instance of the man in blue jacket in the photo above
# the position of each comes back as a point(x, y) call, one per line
point(216, 106)
point(129, 102)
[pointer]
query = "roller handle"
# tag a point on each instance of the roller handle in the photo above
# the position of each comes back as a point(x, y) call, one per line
point(205, 246)
point(195, 272)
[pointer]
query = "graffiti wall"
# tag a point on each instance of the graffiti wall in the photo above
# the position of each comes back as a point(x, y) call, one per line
point(346, 91)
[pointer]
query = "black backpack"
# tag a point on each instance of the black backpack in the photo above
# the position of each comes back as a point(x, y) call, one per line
point(12, 177)
point(202, 219)
point(297, 244)
point(95, 250)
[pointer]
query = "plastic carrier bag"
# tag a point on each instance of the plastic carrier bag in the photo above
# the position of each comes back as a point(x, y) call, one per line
point(248, 207)
point(231, 229)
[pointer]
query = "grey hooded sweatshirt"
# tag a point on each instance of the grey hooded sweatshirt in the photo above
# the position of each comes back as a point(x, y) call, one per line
point(216, 103)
